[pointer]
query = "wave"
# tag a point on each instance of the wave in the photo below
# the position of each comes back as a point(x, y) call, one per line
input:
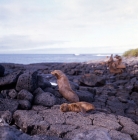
point(102, 54)
point(76, 54)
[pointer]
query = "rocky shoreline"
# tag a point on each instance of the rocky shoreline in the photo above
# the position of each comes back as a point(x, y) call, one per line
point(29, 102)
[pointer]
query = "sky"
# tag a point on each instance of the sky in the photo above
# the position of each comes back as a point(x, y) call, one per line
point(68, 26)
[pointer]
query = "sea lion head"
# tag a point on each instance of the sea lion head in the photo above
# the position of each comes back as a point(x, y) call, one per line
point(64, 107)
point(57, 73)
point(110, 60)
point(117, 57)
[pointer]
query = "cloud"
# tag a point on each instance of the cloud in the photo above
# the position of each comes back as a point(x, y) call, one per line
point(105, 11)
point(34, 25)
point(22, 44)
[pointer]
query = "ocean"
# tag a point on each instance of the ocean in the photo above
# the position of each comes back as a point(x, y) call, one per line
point(50, 58)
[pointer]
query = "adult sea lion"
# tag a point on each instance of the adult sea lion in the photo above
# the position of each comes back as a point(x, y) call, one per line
point(64, 86)
point(113, 66)
point(77, 107)
point(119, 62)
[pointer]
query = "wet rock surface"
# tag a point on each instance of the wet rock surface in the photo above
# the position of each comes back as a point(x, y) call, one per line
point(30, 102)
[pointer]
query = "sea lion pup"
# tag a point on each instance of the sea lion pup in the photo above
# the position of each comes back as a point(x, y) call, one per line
point(64, 86)
point(82, 107)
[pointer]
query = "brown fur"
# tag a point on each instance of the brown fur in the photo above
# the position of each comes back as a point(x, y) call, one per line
point(119, 62)
point(115, 71)
point(115, 66)
point(64, 86)
point(77, 107)
point(119, 59)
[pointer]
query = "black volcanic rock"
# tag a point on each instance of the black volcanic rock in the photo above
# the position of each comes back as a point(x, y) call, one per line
point(116, 135)
point(92, 80)
point(123, 95)
point(37, 91)
point(116, 106)
point(43, 82)
point(6, 116)
point(11, 133)
point(30, 122)
point(85, 96)
point(114, 96)
point(12, 93)
point(28, 81)
point(136, 86)
point(129, 127)
point(134, 97)
point(73, 125)
point(53, 91)
point(2, 70)
point(45, 99)
point(9, 79)
point(108, 121)
point(24, 104)
point(8, 104)
point(25, 95)
point(4, 94)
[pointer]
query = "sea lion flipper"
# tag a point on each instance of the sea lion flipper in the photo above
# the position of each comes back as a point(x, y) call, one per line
point(82, 110)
